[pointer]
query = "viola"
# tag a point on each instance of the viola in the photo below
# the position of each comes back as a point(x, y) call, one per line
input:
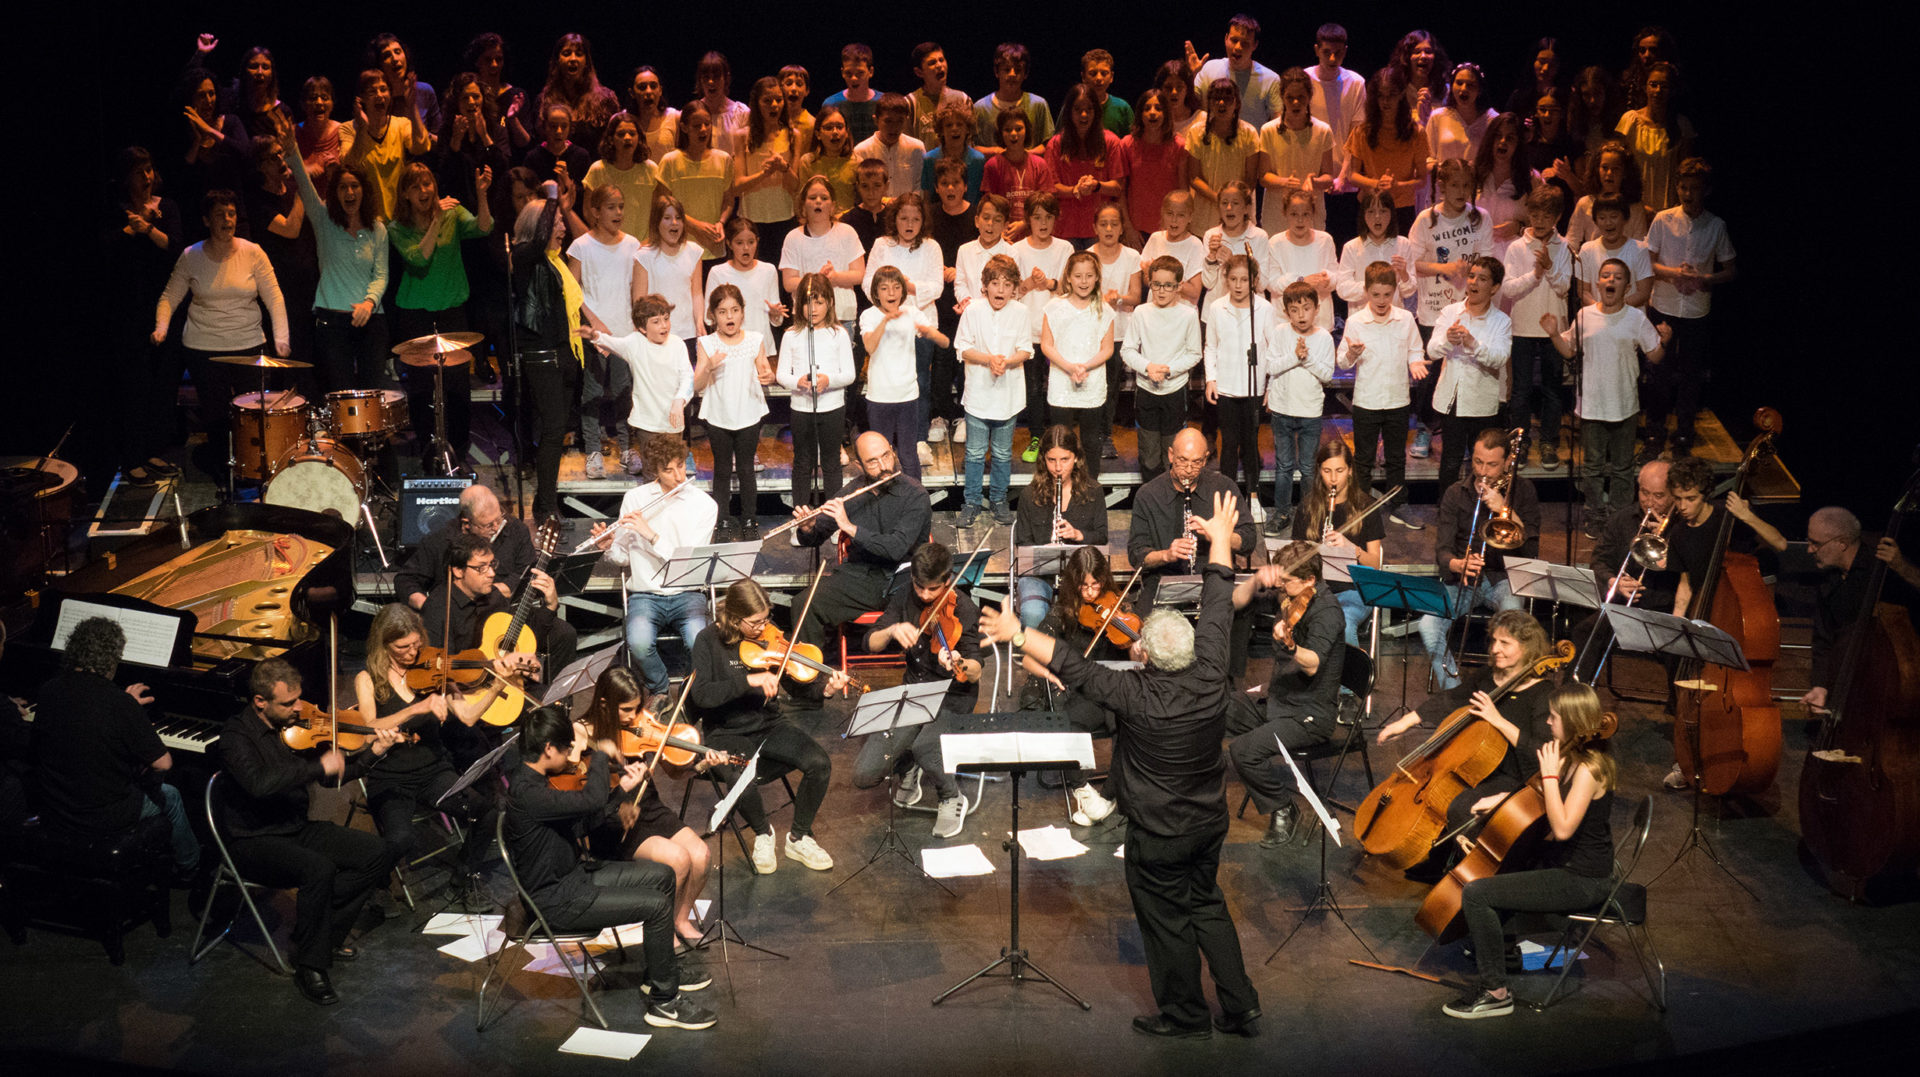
point(804, 661)
point(315, 728)
point(1104, 615)
point(1291, 610)
point(678, 743)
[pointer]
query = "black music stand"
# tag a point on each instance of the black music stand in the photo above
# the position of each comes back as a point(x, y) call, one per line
point(1179, 593)
point(582, 673)
point(1653, 632)
point(882, 712)
point(957, 746)
point(1044, 560)
point(718, 926)
point(1322, 898)
point(572, 571)
point(1398, 591)
point(709, 568)
point(481, 768)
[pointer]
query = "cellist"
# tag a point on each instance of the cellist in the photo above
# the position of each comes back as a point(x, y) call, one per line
point(930, 656)
point(1304, 695)
point(1515, 642)
point(1576, 781)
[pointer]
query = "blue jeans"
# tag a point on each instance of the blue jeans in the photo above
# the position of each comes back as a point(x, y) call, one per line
point(646, 612)
point(1035, 598)
point(1493, 595)
point(1355, 611)
point(923, 350)
point(1295, 440)
point(186, 847)
point(979, 432)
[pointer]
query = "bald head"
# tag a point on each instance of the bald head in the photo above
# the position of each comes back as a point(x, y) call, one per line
point(1653, 487)
point(480, 511)
point(1186, 457)
point(875, 453)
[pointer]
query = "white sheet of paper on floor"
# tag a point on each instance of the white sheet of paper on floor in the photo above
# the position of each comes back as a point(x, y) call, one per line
point(1533, 956)
point(630, 935)
point(458, 923)
point(955, 860)
point(1120, 853)
point(602, 1043)
point(1050, 843)
point(475, 947)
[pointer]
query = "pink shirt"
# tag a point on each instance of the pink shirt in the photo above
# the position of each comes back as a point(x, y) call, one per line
point(1076, 213)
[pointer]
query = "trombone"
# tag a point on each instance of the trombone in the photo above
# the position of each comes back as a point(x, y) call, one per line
point(1502, 531)
point(1647, 550)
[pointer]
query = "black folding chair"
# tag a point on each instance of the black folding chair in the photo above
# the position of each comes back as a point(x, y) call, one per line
point(537, 929)
point(229, 875)
point(1625, 907)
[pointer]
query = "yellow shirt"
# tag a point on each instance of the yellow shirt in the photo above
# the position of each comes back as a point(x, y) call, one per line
point(701, 186)
point(637, 186)
point(384, 160)
point(570, 289)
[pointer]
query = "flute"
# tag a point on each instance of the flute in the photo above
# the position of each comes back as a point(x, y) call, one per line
point(607, 536)
point(843, 499)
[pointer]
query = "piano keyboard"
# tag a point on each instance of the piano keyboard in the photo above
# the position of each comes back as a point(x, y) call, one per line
point(183, 733)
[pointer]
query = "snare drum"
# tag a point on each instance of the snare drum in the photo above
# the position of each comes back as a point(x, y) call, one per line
point(398, 416)
point(286, 425)
point(321, 476)
point(365, 413)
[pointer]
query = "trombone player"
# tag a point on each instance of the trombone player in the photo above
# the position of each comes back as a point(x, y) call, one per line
point(1629, 563)
point(1491, 512)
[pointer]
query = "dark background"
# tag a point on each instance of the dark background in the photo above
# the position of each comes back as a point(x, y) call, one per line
point(1790, 335)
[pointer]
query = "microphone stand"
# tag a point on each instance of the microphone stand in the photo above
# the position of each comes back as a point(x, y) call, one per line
point(1574, 366)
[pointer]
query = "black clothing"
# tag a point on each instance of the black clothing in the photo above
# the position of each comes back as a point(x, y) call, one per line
point(1322, 630)
point(1158, 520)
point(1173, 881)
point(1086, 510)
point(1589, 851)
point(1453, 538)
point(427, 567)
point(738, 717)
point(923, 663)
point(890, 523)
point(540, 160)
point(1616, 537)
point(721, 697)
point(1839, 601)
point(1372, 529)
point(92, 745)
point(869, 226)
point(557, 638)
point(1690, 550)
point(541, 304)
point(272, 778)
point(1526, 708)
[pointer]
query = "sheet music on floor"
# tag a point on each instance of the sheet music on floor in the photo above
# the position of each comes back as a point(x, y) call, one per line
point(978, 749)
point(1050, 842)
point(605, 1043)
point(955, 861)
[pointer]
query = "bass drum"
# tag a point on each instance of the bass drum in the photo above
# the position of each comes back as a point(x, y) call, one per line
point(320, 476)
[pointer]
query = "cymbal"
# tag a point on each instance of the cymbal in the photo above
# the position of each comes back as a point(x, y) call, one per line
point(20, 482)
point(424, 348)
point(262, 361)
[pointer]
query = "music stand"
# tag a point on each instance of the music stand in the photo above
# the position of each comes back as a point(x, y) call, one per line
point(582, 673)
point(1046, 560)
point(719, 927)
point(1180, 593)
point(1529, 577)
point(572, 571)
point(1399, 591)
point(1322, 898)
point(882, 712)
point(481, 768)
point(1650, 631)
point(1013, 955)
point(709, 568)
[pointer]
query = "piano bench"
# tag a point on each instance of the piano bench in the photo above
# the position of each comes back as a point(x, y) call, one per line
point(101, 887)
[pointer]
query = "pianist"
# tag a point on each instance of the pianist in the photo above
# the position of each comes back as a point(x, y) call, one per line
point(480, 514)
point(98, 759)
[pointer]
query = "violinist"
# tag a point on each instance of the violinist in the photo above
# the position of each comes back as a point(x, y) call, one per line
point(1515, 641)
point(738, 707)
point(1063, 504)
point(657, 519)
point(939, 644)
point(543, 825)
point(1166, 533)
point(1576, 781)
point(272, 841)
point(1085, 582)
point(472, 570)
point(1331, 501)
point(647, 829)
point(1475, 573)
point(419, 769)
point(882, 528)
point(1303, 696)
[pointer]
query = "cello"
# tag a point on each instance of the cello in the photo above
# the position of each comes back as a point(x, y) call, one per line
point(1726, 730)
point(1402, 818)
point(1860, 788)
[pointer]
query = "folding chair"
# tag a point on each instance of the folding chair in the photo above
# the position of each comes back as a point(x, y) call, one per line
point(403, 870)
point(1625, 907)
point(537, 929)
point(229, 875)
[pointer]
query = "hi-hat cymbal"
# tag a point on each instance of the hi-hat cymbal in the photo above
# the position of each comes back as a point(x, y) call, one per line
point(262, 361)
point(422, 351)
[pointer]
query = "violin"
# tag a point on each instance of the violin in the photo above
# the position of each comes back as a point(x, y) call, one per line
point(1291, 610)
point(315, 728)
point(804, 662)
point(940, 629)
point(678, 744)
point(1104, 615)
point(462, 672)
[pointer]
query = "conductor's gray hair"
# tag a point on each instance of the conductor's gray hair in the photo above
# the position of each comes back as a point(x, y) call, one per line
point(1845, 525)
point(1167, 637)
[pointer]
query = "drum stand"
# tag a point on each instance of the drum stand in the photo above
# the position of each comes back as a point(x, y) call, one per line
point(439, 451)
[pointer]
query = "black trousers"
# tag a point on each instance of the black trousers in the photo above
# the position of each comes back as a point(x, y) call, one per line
point(1675, 385)
point(1240, 422)
point(1174, 885)
point(457, 385)
point(551, 380)
point(1254, 751)
point(396, 798)
point(816, 450)
point(782, 748)
point(1370, 429)
point(1037, 422)
point(332, 867)
point(631, 892)
point(1161, 416)
point(733, 452)
point(1089, 423)
point(349, 356)
point(1456, 434)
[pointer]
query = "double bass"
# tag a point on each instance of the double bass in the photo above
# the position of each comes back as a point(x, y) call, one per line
point(1860, 788)
point(1729, 714)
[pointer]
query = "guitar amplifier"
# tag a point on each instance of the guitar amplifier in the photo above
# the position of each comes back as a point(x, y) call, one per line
point(426, 505)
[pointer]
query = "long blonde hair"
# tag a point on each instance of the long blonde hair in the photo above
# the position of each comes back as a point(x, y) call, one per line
point(1582, 731)
point(395, 620)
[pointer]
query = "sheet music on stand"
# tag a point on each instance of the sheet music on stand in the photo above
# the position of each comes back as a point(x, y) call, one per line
point(886, 709)
point(740, 785)
point(480, 767)
point(708, 567)
point(1653, 632)
point(1336, 564)
point(1178, 592)
point(155, 635)
point(1574, 585)
point(1306, 788)
point(1046, 560)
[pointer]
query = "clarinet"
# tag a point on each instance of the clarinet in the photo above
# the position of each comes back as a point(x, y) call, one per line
point(1186, 524)
point(1059, 497)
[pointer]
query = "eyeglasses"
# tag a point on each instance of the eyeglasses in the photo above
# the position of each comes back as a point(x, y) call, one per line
point(485, 568)
point(1163, 285)
point(1814, 547)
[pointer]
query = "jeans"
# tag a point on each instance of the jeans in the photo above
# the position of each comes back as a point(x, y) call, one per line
point(186, 847)
point(881, 753)
point(1606, 473)
point(923, 350)
point(1372, 428)
point(1531, 356)
point(979, 433)
point(1295, 440)
point(1547, 890)
point(1355, 610)
point(646, 612)
point(1035, 599)
point(903, 428)
point(1488, 595)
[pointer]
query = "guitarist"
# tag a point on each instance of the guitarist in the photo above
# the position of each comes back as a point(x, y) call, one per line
point(472, 569)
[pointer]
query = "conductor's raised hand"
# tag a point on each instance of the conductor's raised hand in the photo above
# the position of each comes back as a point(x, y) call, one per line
point(999, 624)
point(1219, 527)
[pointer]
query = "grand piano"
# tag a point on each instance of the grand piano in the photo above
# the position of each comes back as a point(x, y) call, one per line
point(242, 582)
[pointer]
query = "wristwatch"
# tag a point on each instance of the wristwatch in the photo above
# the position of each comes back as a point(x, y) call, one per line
point(1020, 638)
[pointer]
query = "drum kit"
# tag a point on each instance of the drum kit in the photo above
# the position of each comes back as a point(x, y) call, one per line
point(315, 456)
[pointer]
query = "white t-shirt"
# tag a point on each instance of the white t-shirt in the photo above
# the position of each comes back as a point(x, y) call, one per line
point(1633, 252)
point(805, 253)
point(891, 374)
point(1077, 334)
point(1610, 345)
point(1051, 260)
point(1381, 377)
point(606, 279)
point(1470, 378)
point(1448, 135)
point(662, 374)
point(1526, 294)
point(1117, 276)
point(758, 286)
point(1581, 229)
point(1008, 332)
point(681, 521)
point(1288, 261)
point(1435, 237)
point(1190, 252)
point(924, 267)
point(1169, 335)
point(1297, 154)
point(1676, 239)
point(735, 400)
point(672, 275)
point(969, 262)
point(805, 352)
point(1297, 387)
point(1341, 104)
point(1224, 355)
point(903, 160)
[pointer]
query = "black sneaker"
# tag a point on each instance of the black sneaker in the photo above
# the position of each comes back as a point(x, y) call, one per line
point(1277, 523)
point(680, 1012)
point(1467, 1009)
point(1107, 450)
point(695, 979)
point(750, 531)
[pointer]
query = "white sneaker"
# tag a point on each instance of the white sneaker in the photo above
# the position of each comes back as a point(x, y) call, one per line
point(952, 818)
point(1089, 807)
point(936, 431)
point(763, 859)
point(926, 454)
point(958, 435)
point(909, 792)
point(793, 538)
point(808, 852)
point(844, 458)
point(596, 466)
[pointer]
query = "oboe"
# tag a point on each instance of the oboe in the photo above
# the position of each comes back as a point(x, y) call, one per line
point(1186, 524)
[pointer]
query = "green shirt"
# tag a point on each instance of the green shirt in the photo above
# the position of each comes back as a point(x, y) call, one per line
point(440, 281)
